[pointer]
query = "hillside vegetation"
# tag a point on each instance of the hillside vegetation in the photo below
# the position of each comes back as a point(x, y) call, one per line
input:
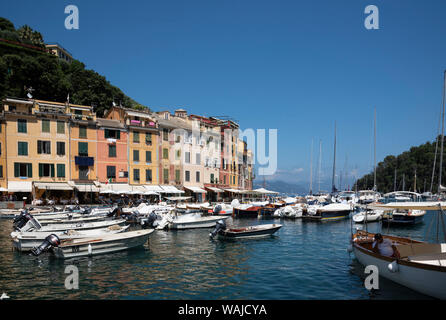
point(24, 63)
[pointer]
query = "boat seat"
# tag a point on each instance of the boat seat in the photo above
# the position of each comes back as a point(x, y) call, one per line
point(417, 249)
point(437, 259)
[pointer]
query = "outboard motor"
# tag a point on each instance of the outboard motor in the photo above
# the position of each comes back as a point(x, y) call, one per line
point(22, 219)
point(150, 221)
point(113, 212)
point(217, 208)
point(220, 225)
point(51, 241)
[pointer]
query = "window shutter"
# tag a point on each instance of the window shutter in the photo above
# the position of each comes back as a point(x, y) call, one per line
point(40, 169)
point(52, 170)
point(16, 170)
point(30, 170)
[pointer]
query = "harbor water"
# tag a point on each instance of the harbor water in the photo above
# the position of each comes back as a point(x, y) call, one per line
point(303, 260)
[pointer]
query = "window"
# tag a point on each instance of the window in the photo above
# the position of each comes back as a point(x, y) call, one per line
point(0, 146)
point(212, 178)
point(187, 157)
point(46, 170)
point(166, 176)
point(60, 146)
point(83, 149)
point(23, 170)
point(61, 170)
point(112, 134)
point(187, 176)
point(165, 153)
point(198, 158)
point(112, 151)
point(60, 127)
point(21, 126)
point(1, 171)
point(178, 155)
point(111, 172)
point(148, 175)
point(148, 156)
point(83, 172)
point(82, 131)
point(165, 134)
point(22, 148)
point(197, 176)
point(177, 175)
point(136, 174)
point(135, 155)
point(43, 147)
point(224, 179)
point(45, 125)
point(136, 137)
point(148, 138)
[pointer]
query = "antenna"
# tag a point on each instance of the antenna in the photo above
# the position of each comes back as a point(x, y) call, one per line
point(374, 138)
point(333, 187)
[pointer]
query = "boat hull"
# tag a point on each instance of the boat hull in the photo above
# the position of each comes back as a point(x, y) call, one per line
point(249, 233)
point(428, 282)
point(207, 222)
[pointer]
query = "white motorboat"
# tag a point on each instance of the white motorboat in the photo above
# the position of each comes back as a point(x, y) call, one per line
point(194, 220)
point(257, 231)
point(421, 266)
point(222, 209)
point(73, 248)
point(292, 212)
point(332, 211)
point(26, 241)
point(369, 215)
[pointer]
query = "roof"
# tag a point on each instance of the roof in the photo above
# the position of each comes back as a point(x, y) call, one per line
point(110, 123)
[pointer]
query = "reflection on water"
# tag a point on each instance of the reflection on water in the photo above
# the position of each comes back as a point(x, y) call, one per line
point(304, 260)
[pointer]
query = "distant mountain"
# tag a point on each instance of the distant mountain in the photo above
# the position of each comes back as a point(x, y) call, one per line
point(282, 187)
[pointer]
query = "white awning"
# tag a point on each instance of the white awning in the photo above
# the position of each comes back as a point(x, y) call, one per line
point(177, 198)
point(86, 187)
point(232, 190)
point(264, 191)
point(154, 188)
point(214, 189)
point(138, 114)
point(53, 186)
point(196, 189)
point(20, 186)
point(3, 189)
point(170, 189)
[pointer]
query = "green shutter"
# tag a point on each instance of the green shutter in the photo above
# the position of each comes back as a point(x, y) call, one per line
point(30, 170)
point(106, 133)
point(16, 170)
point(40, 169)
point(52, 170)
point(45, 125)
point(60, 127)
point(83, 148)
point(118, 136)
point(61, 170)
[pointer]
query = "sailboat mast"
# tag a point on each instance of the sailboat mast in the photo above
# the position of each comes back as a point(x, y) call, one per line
point(436, 152)
point(333, 188)
point(374, 166)
point(442, 137)
point(394, 181)
point(320, 166)
point(311, 168)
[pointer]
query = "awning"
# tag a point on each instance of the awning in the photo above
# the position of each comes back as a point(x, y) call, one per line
point(53, 186)
point(86, 187)
point(154, 188)
point(177, 198)
point(138, 114)
point(196, 189)
point(264, 191)
point(215, 189)
point(20, 186)
point(170, 189)
point(232, 190)
point(3, 189)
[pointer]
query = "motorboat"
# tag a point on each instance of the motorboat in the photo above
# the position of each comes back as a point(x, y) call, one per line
point(404, 217)
point(420, 267)
point(367, 196)
point(81, 247)
point(194, 220)
point(222, 209)
point(291, 212)
point(264, 230)
point(332, 211)
point(369, 215)
point(25, 241)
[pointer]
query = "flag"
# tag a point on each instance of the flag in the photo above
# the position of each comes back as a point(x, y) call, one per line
point(109, 180)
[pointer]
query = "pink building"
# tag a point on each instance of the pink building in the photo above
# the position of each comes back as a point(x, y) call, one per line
point(112, 164)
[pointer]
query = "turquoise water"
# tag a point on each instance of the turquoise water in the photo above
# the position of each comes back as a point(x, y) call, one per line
point(304, 260)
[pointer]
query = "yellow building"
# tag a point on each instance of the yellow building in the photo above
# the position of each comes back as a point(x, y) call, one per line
point(142, 144)
point(37, 145)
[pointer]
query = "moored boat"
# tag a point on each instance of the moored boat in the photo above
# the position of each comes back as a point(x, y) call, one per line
point(193, 221)
point(257, 231)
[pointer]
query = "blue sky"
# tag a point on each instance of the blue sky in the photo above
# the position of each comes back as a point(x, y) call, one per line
point(292, 65)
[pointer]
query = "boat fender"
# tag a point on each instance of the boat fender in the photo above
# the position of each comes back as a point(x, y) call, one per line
point(90, 251)
point(393, 267)
point(350, 248)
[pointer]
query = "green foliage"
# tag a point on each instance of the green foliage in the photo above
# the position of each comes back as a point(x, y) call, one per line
point(419, 159)
point(52, 79)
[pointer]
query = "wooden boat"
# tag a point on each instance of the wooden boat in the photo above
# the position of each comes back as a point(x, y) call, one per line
point(193, 221)
point(26, 241)
point(263, 230)
point(73, 248)
point(421, 266)
point(246, 212)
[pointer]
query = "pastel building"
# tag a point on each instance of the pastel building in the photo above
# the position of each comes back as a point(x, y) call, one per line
point(112, 155)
